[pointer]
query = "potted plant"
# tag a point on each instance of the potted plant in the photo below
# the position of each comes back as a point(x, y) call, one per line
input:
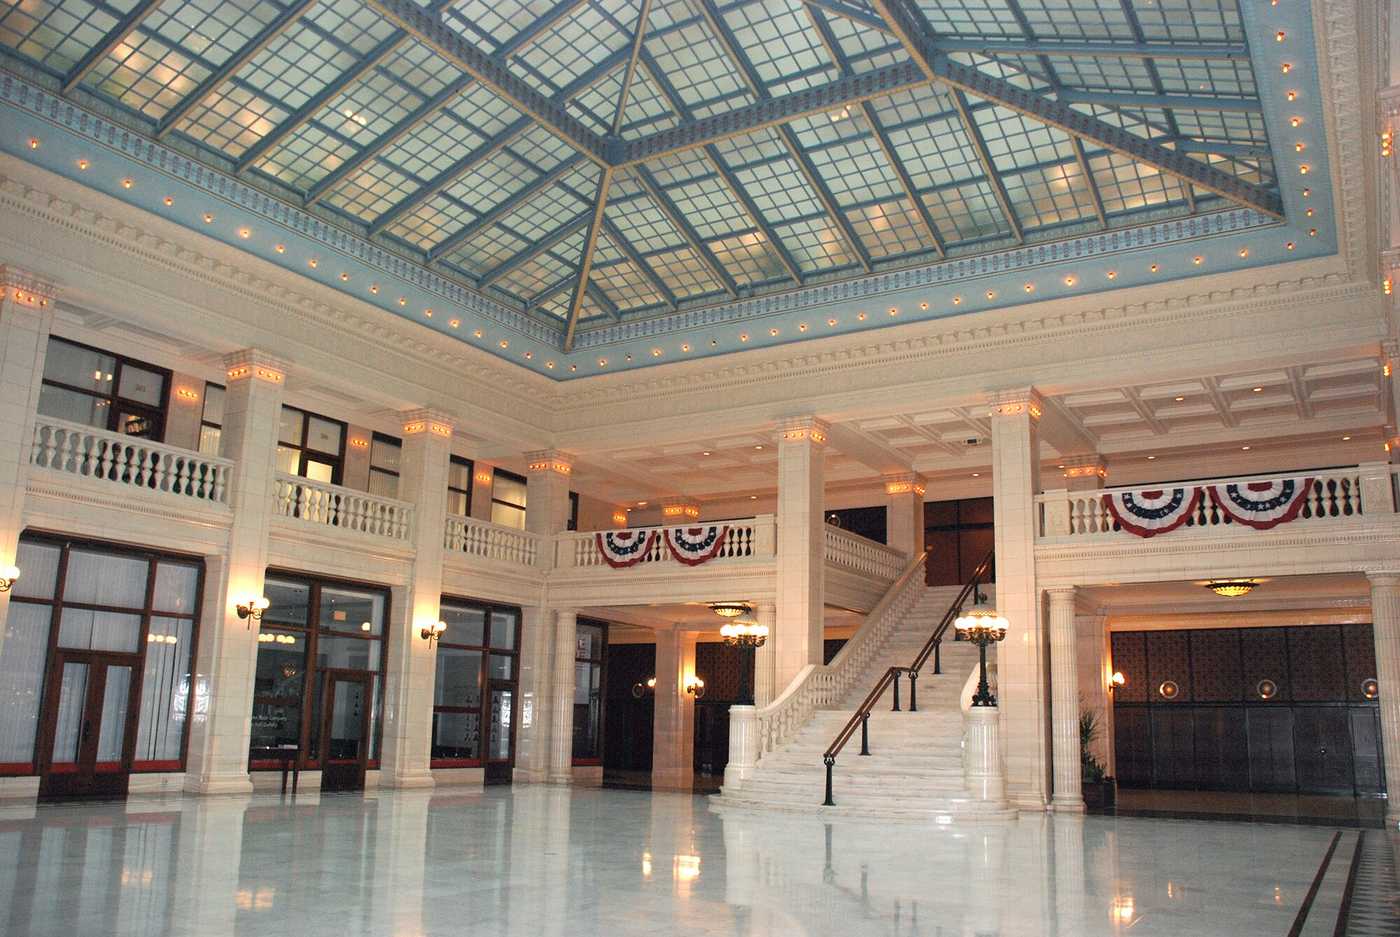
point(1100, 791)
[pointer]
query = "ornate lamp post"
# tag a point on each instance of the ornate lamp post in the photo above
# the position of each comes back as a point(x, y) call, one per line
point(982, 626)
point(747, 636)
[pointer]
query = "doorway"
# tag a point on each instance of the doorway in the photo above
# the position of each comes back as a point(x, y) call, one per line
point(346, 730)
point(88, 725)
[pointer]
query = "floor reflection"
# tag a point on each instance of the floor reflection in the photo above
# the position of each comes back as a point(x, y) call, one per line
point(553, 862)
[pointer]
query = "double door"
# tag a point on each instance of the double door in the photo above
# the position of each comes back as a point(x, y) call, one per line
point(89, 722)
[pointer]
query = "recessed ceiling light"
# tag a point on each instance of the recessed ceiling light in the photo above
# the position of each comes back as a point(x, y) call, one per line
point(33, 143)
point(83, 164)
point(1179, 399)
point(753, 497)
point(706, 452)
point(168, 201)
point(1152, 458)
point(1244, 448)
point(758, 447)
point(1258, 390)
point(128, 183)
point(976, 474)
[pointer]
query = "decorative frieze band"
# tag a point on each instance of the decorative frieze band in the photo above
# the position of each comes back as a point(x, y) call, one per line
point(804, 428)
point(550, 460)
point(254, 363)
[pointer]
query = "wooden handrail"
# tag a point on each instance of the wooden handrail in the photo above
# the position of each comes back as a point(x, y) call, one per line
point(861, 717)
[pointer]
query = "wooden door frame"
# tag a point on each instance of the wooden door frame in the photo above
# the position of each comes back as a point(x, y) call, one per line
point(94, 695)
point(366, 679)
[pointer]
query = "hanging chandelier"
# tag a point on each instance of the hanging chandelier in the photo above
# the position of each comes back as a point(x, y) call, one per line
point(744, 634)
point(730, 609)
point(1231, 588)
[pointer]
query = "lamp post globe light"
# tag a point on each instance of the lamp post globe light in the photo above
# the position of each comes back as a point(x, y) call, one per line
point(747, 636)
point(982, 626)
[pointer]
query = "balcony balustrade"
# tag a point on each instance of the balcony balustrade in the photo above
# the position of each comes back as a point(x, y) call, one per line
point(84, 452)
point(326, 505)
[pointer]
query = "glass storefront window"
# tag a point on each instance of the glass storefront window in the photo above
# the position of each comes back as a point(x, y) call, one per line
point(476, 669)
point(590, 644)
point(312, 630)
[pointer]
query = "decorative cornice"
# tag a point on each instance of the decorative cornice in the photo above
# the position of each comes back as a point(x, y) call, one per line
point(1085, 466)
point(808, 429)
point(549, 460)
point(1336, 39)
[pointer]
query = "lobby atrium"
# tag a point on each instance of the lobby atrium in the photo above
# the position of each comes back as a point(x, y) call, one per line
point(724, 467)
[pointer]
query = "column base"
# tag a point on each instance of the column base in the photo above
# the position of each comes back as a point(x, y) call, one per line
point(217, 784)
point(408, 782)
point(561, 779)
point(1392, 820)
point(1067, 805)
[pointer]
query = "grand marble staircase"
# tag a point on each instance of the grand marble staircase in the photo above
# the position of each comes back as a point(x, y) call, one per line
point(915, 766)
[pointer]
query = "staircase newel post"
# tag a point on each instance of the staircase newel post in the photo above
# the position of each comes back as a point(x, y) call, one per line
point(938, 656)
point(830, 763)
point(865, 734)
point(913, 691)
point(896, 689)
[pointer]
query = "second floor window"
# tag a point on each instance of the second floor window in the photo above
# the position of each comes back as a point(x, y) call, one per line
point(384, 466)
point(508, 500)
point(459, 486)
point(310, 446)
point(106, 391)
point(211, 421)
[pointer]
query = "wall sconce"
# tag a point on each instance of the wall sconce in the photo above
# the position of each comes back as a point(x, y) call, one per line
point(640, 689)
point(1117, 680)
point(8, 575)
point(431, 633)
point(695, 687)
point(253, 609)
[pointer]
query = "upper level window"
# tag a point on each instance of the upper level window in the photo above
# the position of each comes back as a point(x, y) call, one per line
point(384, 454)
point(103, 390)
point(310, 446)
point(573, 511)
point(459, 486)
point(211, 421)
point(508, 500)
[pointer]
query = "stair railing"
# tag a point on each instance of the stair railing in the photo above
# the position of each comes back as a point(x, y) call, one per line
point(861, 717)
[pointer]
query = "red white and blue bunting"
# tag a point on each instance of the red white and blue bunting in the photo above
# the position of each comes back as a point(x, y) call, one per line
point(1149, 513)
point(695, 545)
point(624, 548)
point(1263, 504)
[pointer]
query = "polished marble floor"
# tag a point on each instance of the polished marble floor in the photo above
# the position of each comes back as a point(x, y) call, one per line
point(538, 862)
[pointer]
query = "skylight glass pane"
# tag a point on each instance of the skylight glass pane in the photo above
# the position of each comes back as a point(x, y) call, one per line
point(856, 169)
point(639, 219)
point(647, 110)
point(889, 229)
point(684, 273)
point(815, 245)
point(1190, 20)
point(571, 47)
point(965, 212)
point(1126, 185)
point(432, 147)
point(487, 24)
point(372, 190)
point(57, 35)
point(699, 70)
point(432, 221)
point(535, 275)
point(748, 258)
point(781, 45)
point(626, 286)
point(487, 250)
point(970, 17)
point(303, 158)
point(1078, 19)
point(1049, 196)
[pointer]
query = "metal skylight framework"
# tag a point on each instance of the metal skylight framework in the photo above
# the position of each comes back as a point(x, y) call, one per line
point(615, 159)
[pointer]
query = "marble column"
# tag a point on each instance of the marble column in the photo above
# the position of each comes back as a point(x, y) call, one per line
point(1095, 666)
point(673, 729)
point(1021, 664)
point(533, 730)
point(765, 613)
point(1064, 688)
point(561, 736)
point(904, 512)
point(547, 495)
point(1084, 472)
point(411, 666)
point(228, 646)
point(26, 316)
point(1385, 622)
point(797, 639)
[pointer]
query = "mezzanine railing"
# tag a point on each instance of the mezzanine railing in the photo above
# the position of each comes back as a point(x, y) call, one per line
point(747, 537)
point(862, 555)
point(490, 541)
point(326, 505)
point(77, 450)
point(1332, 494)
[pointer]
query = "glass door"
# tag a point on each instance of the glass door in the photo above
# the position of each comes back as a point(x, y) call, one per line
point(346, 730)
point(87, 744)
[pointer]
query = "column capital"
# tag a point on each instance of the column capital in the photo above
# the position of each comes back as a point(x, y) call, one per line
point(680, 508)
point(565, 613)
point(900, 483)
point(549, 460)
point(427, 420)
point(810, 429)
point(26, 288)
point(255, 363)
point(1061, 592)
point(1384, 578)
point(1085, 466)
point(1014, 401)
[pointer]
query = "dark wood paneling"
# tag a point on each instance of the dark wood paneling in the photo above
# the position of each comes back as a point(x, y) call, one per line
point(627, 729)
point(1322, 748)
point(1265, 658)
point(1132, 746)
point(1315, 659)
point(1359, 648)
point(1168, 659)
point(1271, 749)
point(1173, 747)
point(727, 671)
point(1222, 748)
point(1130, 659)
point(1366, 749)
point(1216, 673)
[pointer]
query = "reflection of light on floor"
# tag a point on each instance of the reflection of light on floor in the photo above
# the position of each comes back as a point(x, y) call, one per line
point(646, 866)
point(1124, 909)
point(260, 899)
point(685, 868)
point(1278, 895)
point(134, 877)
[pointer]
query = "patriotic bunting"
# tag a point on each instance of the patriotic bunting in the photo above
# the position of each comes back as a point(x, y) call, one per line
point(1265, 504)
point(624, 548)
point(1149, 513)
point(694, 545)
